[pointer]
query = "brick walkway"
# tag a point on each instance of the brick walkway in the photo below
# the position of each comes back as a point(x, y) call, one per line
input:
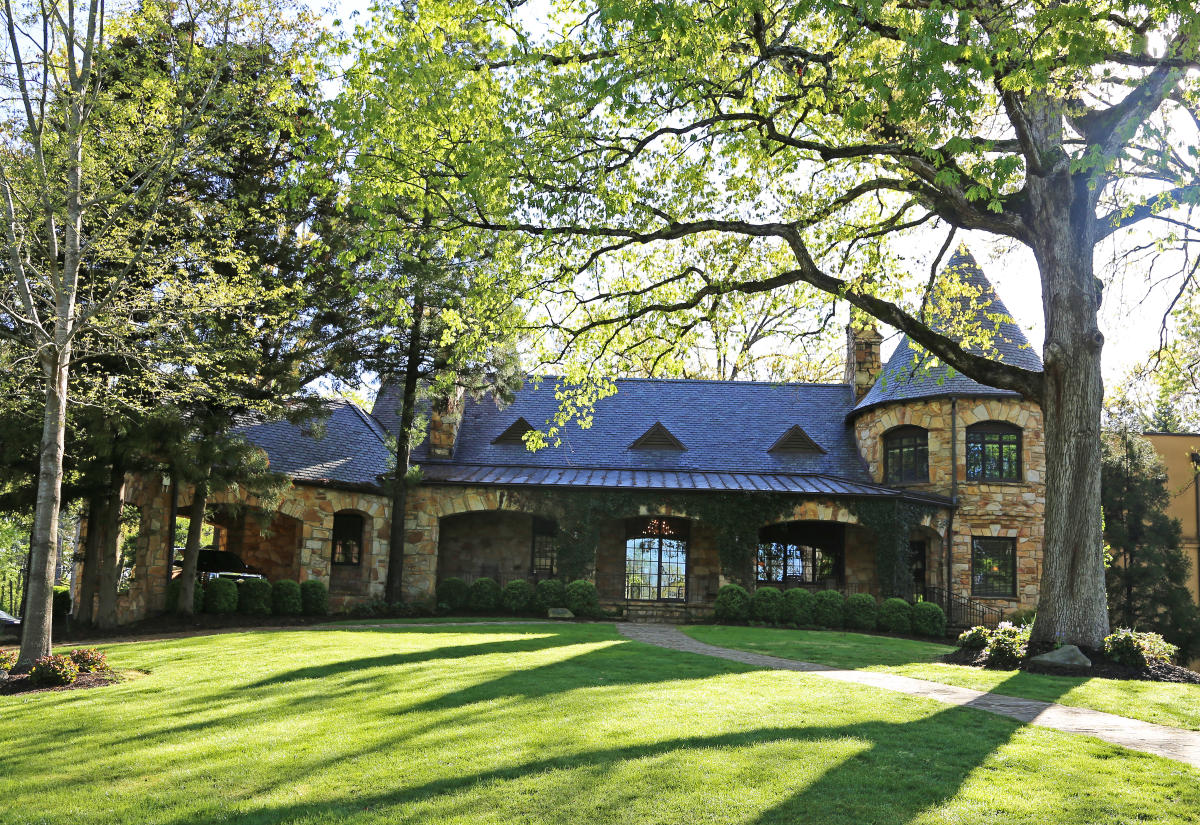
point(1160, 740)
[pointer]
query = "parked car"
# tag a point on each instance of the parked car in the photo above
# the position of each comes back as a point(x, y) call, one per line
point(221, 564)
point(9, 622)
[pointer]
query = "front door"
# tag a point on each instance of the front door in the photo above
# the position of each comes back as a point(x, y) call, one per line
point(656, 559)
point(917, 552)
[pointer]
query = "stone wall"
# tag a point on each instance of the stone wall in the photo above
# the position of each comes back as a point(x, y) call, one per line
point(497, 544)
point(1003, 509)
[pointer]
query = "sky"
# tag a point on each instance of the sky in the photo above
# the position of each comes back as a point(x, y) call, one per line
point(1130, 316)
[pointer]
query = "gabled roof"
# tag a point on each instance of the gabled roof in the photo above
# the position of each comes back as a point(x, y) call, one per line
point(795, 440)
point(726, 426)
point(657, 437)
point(909, 375)
point(347, 447)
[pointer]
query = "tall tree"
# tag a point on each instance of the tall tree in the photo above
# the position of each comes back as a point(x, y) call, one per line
point(1147, 580)
point(831, 130)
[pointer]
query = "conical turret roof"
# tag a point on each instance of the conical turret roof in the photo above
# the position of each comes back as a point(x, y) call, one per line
point(965, 301)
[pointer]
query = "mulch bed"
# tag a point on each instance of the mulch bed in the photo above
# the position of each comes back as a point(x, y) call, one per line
point(21, 684)
point(1102, 668)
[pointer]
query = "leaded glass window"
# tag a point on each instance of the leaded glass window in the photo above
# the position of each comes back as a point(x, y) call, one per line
point(656, 558)
point(906, 455)
point(993, 566)
point(993, 452)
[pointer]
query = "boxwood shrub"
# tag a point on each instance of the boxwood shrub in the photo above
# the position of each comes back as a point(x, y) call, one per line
point(798, 606)
point(173, 588)
point(861, 611)
point(61, 605)
point(221, 596)
point(895, 616)
point(517, 597)
point(732, 604)
point(928, 619)
point(829, 609)
point(285, 598)
point(314, 597)
point(452, 592)
point(483, 595)
point(583, 599)
point(766, 604)
point(54, 670)
point(254, 597)
point(549, 593)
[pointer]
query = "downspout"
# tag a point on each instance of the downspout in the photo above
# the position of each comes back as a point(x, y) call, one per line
point(953, 495)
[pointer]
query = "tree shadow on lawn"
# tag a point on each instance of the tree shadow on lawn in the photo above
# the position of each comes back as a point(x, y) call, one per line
point(903, 770)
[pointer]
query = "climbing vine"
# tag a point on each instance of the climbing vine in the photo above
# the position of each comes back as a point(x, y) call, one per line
point(892, 520)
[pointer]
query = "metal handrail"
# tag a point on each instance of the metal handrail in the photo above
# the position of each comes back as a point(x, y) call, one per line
point(962, 611)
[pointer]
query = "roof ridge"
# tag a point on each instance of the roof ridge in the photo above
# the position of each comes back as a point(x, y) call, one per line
point(734, 381)
point(374, 426)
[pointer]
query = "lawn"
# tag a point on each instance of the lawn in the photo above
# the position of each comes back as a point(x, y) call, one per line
point(535, 724)
point(1166, 704)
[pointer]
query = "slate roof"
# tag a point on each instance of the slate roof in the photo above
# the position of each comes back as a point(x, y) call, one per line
point(908, 375)
point(347, 448)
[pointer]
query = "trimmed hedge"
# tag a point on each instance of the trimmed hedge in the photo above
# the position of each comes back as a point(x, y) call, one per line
point(54, 670)
point(61, 606)
point(861, 611)
point(928, 619)
point(221, 596)
point(314, 597)
point(483, 595)
point(453, 593)
point(732, 604)
point(173, 588)
point(583, 599)
point(798, 606)
point(549, 593)
point(895, 616)
point(829, 609)
point(517, 597)
point(285, 598)
point(254, 597)
point(766, 604)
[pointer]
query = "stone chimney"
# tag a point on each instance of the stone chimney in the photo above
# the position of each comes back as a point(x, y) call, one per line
point(444, 419)
point(863, 360)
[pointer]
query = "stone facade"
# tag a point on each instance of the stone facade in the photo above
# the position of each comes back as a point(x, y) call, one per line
point(997, 509)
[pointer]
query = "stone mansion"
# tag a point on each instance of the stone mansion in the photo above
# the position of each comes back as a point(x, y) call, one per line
point(907, 478)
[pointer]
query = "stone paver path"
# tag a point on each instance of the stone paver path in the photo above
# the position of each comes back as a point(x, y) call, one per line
point(1160, 740)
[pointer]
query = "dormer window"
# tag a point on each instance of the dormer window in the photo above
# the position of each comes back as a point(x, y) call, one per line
point(993, 451)
point(657, 437)
point(795, 440)
point(906, 455)
point(515, 434)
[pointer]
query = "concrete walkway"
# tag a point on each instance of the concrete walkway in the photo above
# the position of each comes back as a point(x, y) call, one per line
point(1160, 740)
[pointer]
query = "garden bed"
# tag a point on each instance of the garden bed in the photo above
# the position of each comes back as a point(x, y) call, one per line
point(14, 683)
point(1102, 667)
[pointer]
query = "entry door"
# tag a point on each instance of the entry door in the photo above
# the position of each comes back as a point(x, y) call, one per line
point(917, 553)
point(656, 559)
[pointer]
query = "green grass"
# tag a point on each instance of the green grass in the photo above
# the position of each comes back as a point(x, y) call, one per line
point(438, 620)
point(1165, 704)
point(535, 724)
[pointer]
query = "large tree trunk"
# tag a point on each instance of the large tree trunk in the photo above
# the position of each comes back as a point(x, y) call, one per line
point(43, 557)
point(110, 548)
point(393, 590)
point(1072, 605)
point(191, 550)
point(89, 582)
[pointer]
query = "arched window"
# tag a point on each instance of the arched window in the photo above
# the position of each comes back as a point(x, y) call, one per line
point(347, 538)
point(799, 553)
point(656, 558)
point(905, 455)
point(993, 452)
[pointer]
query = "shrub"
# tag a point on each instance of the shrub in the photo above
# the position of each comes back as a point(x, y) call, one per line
point(974, 639)
point(285, 598)
point(254, 597)
point(53, 670)
point(549, 593)
point(732, 604)
point(221, 596)
point(173, 588)
point(861, 611)
point(1006, 646)
point(1135, 649)
point(483, 595)
point(453, 593)
point(8, 659)
point(766, 605)
point(61, 605)
point(583, 599)
point(89, 659)
point(895, 616)
point(828, 609)
point(314, 597)
point(928, 619)
point(798, 606)
point(517, 596)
